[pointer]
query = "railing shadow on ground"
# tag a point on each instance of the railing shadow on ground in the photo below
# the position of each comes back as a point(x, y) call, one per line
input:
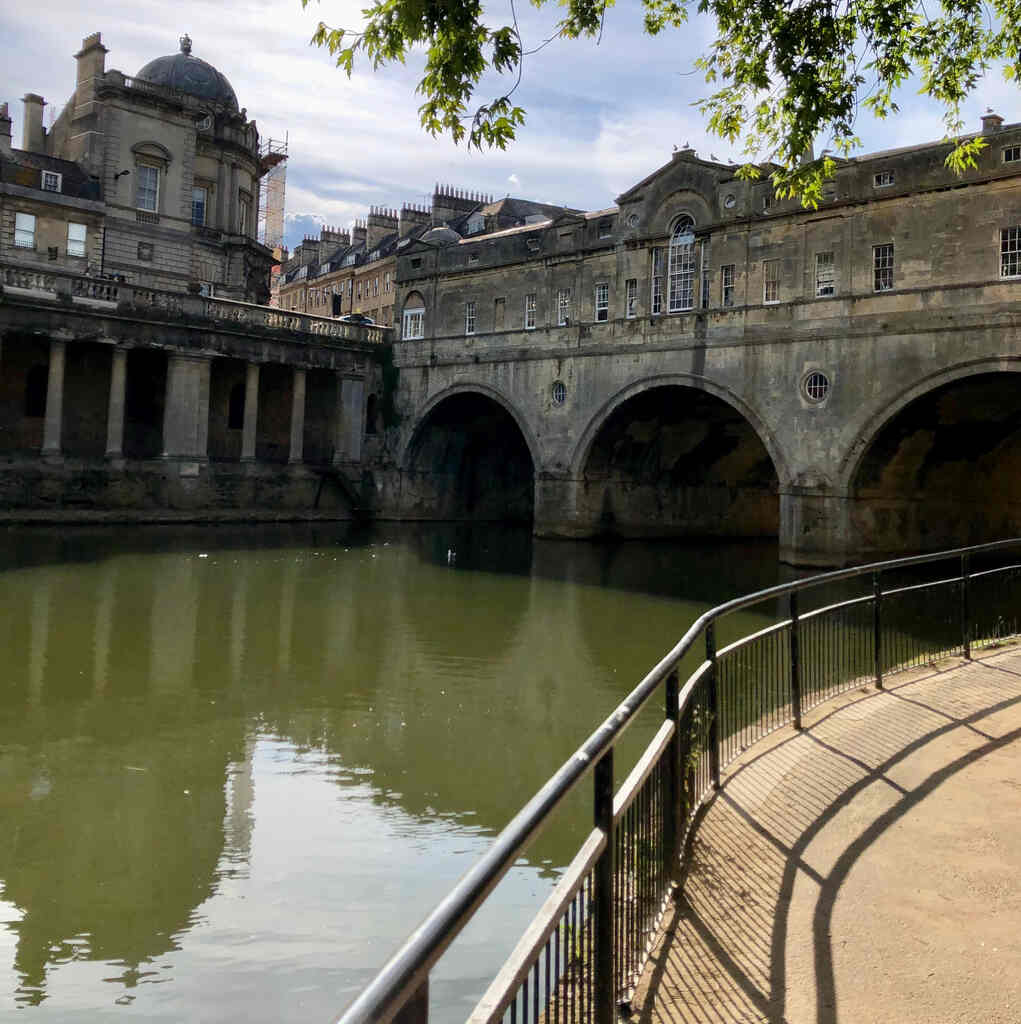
point(585, 952)
point(723, 955)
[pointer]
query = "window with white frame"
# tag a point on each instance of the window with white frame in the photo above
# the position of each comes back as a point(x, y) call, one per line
point(199, 205)
point(147, 187)
point(602, 302)
point(631, 297)
point(656, 299)
point(1011, 154)
point(24, 230)
point(563, 306)
point(883, 179)
point(824, 274)
point(770, 280)
point(469, 317)
point(727, 285)
point(530, 311)
point(375, 287)
point(76, 234)
point(706, 276)
point(51, 181)
point(386, 282)
point(413, 325)
point(682, 265)
point(1010, 252)
point(882, 268)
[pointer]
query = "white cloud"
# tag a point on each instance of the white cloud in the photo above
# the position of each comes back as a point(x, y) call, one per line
point(514, 180)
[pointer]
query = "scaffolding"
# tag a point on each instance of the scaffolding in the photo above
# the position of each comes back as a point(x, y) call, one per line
point(273, 157)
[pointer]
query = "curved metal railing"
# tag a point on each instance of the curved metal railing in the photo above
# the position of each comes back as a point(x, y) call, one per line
point(582, 955)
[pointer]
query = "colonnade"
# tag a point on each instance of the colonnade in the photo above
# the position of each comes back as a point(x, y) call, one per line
point(186, 409)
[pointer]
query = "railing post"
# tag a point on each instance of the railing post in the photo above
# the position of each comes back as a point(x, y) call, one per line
point(714, 704)
point(605, 994)
point(965, 606)
point(674, 778)
point(416, 1009)
point(877, 627)
point(795, 654)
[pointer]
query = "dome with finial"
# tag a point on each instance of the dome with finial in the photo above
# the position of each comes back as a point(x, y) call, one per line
point(188, 74)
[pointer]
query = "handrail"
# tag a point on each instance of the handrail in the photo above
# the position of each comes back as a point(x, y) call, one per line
point(698, 705)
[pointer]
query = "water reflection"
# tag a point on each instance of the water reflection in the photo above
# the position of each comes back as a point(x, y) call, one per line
point(237, 767)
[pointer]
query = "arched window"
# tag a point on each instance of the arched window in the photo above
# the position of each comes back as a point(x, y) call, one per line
point(681, 272)
point(413, 323)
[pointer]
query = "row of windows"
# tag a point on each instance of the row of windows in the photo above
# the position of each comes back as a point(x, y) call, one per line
point(24, 234)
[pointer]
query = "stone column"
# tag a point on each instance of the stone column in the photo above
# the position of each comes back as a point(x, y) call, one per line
point(248, 432)
point(297, 417)
point(115, 408)
point(350, 417)
point(186, 412)
point(54, 400)
point(232, 204)
point(222, 199)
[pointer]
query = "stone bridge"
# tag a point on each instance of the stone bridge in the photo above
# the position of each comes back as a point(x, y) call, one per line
point(140, 403)
point(849, 427)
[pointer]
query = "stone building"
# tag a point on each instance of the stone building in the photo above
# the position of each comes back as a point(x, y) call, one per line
point(702, 358)
point(172, 158)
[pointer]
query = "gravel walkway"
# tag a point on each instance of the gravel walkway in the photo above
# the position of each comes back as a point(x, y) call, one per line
point(865, 870)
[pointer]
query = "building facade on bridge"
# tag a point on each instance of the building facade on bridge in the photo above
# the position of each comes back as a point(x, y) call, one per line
point(703, 358)
point(172, 161)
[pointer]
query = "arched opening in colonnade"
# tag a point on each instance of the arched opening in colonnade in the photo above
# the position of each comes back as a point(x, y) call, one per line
point(943, 471)
point(469, 460)
point(676, 461)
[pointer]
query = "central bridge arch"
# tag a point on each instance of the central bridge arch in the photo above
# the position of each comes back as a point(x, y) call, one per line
point(470, 456)
point(678, 456)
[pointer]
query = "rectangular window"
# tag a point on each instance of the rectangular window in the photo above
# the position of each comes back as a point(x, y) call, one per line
point(882, 268)
point(24, 230)
point(375, 287)
point(469, 318)
point(416, 262)
point(51, 181)
point(76, 239)
point(602, 302)
point(770, 280)
point(631, 301)
point(824, 274)
point(727, 285)
point(605, 228)
point(1011, 154)
point(563, 306)
point(530, 312)
point(147, 187)
point(767, 201)
point(199, 201)
point(1010, 252)
point(359, 291)
point(882, 179)
point(682, 272)
point(657, 282)
point(414, 323)
point(386, 282)
point(473, 257)
point(706, 284)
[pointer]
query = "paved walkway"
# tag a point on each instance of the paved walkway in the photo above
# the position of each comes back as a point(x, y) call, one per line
point(865, 870)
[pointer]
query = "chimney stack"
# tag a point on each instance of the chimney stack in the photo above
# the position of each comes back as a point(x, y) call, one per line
point(412, 216)
point(5, 130)
point(86, 138)
point(382, 222)
point(33, 135)
point(991, 122)
point(358, 233)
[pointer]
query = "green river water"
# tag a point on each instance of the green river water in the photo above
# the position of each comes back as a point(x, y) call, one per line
point(239, 765)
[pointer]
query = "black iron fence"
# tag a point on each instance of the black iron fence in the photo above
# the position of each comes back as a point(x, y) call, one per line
point(582, 955)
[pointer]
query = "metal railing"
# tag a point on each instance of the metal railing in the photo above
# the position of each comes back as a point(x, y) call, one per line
point(581, 957)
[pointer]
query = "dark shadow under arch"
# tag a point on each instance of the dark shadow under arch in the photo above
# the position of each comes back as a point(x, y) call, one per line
point(676, 460)
point(469, 460)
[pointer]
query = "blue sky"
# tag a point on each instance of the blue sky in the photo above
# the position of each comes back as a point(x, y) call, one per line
point(600, 117)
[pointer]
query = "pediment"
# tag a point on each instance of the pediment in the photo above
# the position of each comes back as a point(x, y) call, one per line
point(153, 152)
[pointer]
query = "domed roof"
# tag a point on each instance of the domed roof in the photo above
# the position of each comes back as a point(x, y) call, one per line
point(188, 74)
point(441, 235)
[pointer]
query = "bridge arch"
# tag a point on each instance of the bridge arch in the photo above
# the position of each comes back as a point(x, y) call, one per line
point(678, 455)
point(469, 455)
point(940, 464)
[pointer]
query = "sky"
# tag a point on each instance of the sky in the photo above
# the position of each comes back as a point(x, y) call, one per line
point(600, 117)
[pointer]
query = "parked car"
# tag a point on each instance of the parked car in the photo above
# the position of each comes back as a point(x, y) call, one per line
point(358, 318)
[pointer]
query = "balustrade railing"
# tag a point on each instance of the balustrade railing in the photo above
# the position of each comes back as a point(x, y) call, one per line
point(582, 955)
point(57, 282)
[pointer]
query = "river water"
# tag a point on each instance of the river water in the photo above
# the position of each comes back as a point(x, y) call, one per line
point(239, 765)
